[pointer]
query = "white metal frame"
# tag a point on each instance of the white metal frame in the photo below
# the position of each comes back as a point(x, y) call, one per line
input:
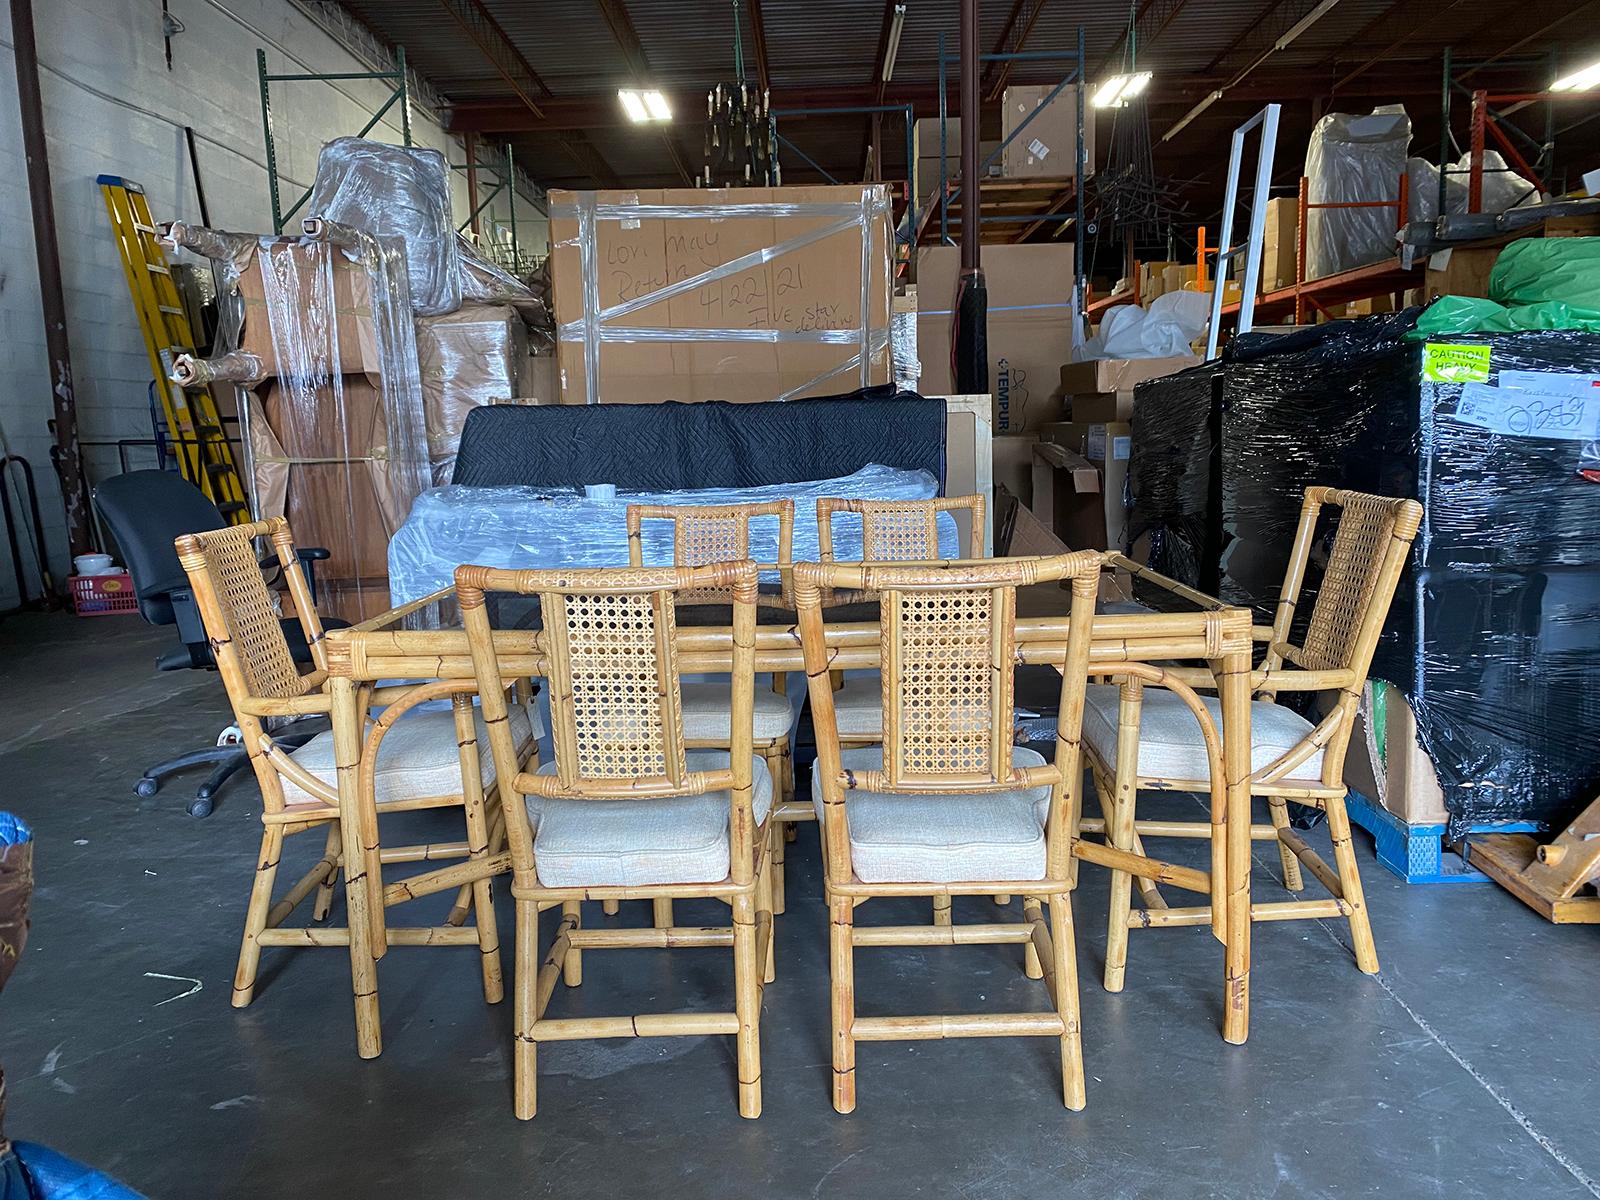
point(1267, 119)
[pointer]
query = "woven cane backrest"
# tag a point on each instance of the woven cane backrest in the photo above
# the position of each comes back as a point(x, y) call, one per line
point(1354, 580)
point(896, 530)
point(614, 686)
point(706, 534)
point(223, 562)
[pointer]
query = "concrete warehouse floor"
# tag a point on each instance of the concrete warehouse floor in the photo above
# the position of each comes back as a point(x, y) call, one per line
point(1465, 1070)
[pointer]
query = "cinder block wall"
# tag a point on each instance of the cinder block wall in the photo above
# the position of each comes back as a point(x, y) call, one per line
point(112, 107)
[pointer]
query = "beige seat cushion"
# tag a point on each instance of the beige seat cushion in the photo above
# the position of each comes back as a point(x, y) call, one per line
point(418, 757)
point(942, 839)
point(706, 707)
point(637, 843)
point(1170, 742)
point(858, 706)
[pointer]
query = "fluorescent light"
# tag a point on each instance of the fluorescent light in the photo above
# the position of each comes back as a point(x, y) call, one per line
point(1578, 81)
point(644, 106)
point(896, 26)
point(1119, 89)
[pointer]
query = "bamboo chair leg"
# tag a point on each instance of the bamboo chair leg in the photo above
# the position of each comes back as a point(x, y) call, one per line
point(777, 767)
point(843, 991)
point(1002, 898)
point(255, 917)
point(1344, 853)
point(324, 901)
point(1031, 966)
point(572, 964)
point(764, 899)
point(461, 907)
point(663, 913)
point(1278, 807)
point(747, 1004)
point(941, 909)
point(1149, 892)
point(525, 987)
point(1065, 969)
point(479, 836)
point(610, 907)
point(1119, 810)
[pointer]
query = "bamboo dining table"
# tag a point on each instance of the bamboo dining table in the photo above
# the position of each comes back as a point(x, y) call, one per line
point(1168, 623)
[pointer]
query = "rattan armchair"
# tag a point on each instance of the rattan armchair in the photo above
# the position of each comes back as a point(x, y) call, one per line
point(948, 806)
point(702, 535)
point(627, 810)
point(428, 761)
point(1145, 738)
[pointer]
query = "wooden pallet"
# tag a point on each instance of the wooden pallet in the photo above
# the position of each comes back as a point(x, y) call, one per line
point(1548, 877)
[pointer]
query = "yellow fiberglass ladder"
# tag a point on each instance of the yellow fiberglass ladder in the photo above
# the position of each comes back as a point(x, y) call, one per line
point(194, 424)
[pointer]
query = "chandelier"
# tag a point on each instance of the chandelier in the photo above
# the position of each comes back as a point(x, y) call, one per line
point(741, 142)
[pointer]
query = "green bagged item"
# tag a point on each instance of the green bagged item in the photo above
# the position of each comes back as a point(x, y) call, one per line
point(1537, 270)
point(1473, 314)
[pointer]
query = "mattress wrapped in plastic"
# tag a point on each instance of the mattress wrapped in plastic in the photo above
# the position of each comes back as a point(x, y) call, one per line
point(398, 192)
point(1494, 635)
point(524, 527)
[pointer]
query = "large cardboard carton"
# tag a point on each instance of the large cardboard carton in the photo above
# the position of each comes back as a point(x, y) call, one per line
point(925, 145)
point(1013, 464)
point(474, 356)
point(1394, 770)
point(285, 314)
point(1280, 244)
point(1086, 520)
point(1458, 271)
point(1046, 146)
point(1030, 327)
point(1101, 390)
point(708, 338)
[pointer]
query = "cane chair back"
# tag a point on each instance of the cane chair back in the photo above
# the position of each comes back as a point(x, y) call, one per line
point(615, 702)
point(896, 530)
point(233, 596)
point(713, 533)
point(1358, 581)
point(948, 658)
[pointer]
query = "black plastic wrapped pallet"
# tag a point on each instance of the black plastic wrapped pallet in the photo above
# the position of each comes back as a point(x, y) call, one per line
point(1174, 475)
point(1495, 634)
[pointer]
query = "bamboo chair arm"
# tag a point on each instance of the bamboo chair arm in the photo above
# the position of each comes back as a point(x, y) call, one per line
point(308, 705)
point(695, 783)
point(1317, 739)
point(393, 615)
point(1166, 583)
point(283, 762)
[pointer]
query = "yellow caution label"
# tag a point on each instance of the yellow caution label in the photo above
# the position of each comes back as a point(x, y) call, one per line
point(1443, 362)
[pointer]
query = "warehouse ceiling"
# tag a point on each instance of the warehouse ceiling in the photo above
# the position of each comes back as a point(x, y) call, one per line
point(543, 76)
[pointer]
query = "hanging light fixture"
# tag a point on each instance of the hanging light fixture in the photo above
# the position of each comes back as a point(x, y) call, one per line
point(741, 143)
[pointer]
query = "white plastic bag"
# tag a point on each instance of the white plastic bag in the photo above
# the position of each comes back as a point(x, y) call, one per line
point(1164, 330)
point(1354, 159)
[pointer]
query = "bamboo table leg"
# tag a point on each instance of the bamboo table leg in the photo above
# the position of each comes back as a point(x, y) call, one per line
point(1233, 690)
point(346, 720)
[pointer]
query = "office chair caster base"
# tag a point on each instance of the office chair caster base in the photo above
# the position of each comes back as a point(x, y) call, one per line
point(147, 786)
point(200, 806)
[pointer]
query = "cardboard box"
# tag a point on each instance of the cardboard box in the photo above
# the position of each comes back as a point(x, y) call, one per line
point(1152, 280)
point(1030, 327)
point(1280, 246)
point(1085, 520)
point(925, 145)
point(1024, 534)
point(1177, 277)
point(1458, 271)
point(816, 286)
point(1101, 390)
point(1047, 146)
point(1013, 464)
point(291, 313)
point(1585, 226)
point(1394, 771)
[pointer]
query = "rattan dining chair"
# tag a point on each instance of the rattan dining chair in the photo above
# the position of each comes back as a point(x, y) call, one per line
point(1144, 738)
point(948, 806)
point(704, 534)
point(427, 761)
point(627, 810)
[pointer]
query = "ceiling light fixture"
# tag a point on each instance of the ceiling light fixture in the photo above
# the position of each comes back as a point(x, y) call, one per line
point(1119, 89)
point(896, 27)
point(1578, 81)
point(642, 106)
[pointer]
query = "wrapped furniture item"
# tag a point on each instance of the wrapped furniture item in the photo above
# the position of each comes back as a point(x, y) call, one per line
point(1175, 477)
point(398, 192)
point(702, 294)
point(1495, 636)
point(474, 356)
point(1354, 159)
point(332, 407)
point(528, 527)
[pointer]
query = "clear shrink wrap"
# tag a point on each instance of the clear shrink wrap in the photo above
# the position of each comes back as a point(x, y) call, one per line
point(1354, 159)
point(474, 356)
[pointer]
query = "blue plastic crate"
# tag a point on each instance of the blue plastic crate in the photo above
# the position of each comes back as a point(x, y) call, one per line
point(1416, 853)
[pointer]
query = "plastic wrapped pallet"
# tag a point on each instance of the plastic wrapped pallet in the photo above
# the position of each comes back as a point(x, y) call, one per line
point(474, 356)
point(524, 527)
point(1354, 159)
point(332, 403)
point(1173, 475)
point(1494, 636)
point(395, 192)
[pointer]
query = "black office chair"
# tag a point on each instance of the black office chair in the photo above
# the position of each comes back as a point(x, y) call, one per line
point(146, 511)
